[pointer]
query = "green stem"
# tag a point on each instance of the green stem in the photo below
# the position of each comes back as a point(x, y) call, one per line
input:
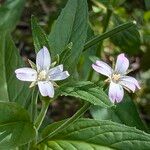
point(77, 115)
point(40, 118)
point(108, 34)
point(34, 104)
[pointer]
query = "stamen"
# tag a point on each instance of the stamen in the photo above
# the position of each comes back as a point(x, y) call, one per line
point(116, 77)
point(42, 75)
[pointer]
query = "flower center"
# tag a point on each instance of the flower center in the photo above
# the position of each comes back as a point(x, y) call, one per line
point(42, 75)
point(116, 77)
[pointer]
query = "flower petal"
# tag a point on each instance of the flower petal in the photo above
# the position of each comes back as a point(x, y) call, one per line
point(59, 76)
point(46, 88)
point(43, 59)
point(102, 68)
point(26, 74)
point(130, 83)
point(116, 92)
point(57, 69)
point(122, 64)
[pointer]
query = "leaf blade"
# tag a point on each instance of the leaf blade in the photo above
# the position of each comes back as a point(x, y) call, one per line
point(10, 13)
point(15, 126)
point(40, 38)
point(99, 134)
point(87, 91)
point(124, 113)
point(11, 88)
point(68, 28)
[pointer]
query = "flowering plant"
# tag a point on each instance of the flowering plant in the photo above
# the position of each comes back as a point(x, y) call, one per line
point(62, 69)
point(117, 78)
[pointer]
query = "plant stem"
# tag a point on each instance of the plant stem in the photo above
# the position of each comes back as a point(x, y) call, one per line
point(108, 34)
point(34, 104)
point(40, 118)
point(77, 115)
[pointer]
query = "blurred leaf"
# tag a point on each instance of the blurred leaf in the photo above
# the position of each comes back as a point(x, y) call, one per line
point(87, 91)
point(11, 89)
point(124, 113)
point(147, 4)
point(15, 126)
point(111, 3)
point(85, 63)
point(128, 40)
point(39, 36)
point(70, 27)
point(99, 135)
point(145, 60)
point(147, 16)
point(119, 29)
point(10, 13)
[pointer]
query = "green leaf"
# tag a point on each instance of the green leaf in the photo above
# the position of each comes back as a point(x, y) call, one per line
point(124, 112)
point(71, 26)
point(108, 34)
point(11, 89)
point(40, 38)
point(86, 91)
point(10, 13)
point(52, 127)
point(93, 134)
point(15, 126)
point(128, 40)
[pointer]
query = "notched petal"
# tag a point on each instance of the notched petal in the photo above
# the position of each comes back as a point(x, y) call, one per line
point(46, 88)
point(122, 64)
point(116, 92)
point(43, 59)
point(59, 76)
point(26, 74)
point(56, 70)
point(102, 68)
point(130, 83)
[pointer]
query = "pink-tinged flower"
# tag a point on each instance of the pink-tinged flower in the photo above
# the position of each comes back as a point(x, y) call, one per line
point(43, 75)
point(117, 78)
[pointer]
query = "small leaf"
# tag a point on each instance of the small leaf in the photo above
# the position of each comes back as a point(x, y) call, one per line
point(15, 126)
point(10, 13)
point(93, 134)
point(87, 91)
point(124, 112)
point(39, 36)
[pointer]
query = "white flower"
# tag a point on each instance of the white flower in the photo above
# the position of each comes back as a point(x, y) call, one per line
point(117, 78)
point(43, 76)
